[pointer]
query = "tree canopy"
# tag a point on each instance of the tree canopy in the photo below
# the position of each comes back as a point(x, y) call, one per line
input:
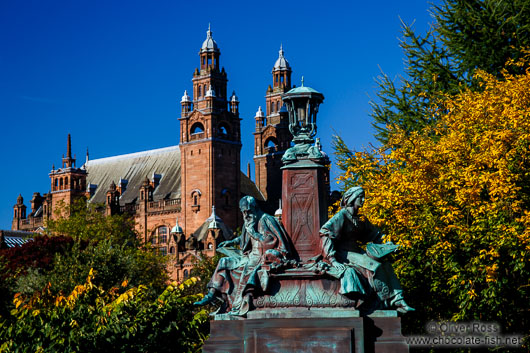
point(91, 285)
point(456, 196)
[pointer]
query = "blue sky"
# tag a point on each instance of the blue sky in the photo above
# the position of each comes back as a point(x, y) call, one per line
point(112, 73)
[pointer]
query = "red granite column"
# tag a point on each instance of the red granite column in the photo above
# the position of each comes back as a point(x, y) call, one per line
point(304, 205)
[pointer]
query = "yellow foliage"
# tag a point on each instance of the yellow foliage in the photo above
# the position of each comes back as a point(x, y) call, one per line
point(457, 194)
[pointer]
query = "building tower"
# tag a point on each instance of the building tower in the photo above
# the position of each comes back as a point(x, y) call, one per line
point(67, 183)
point(272, 137)
point(19, 213)
point(210, 144)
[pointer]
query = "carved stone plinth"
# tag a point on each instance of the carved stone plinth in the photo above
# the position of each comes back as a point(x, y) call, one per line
point(305, 330)
point(304, 205)
point(299, 288)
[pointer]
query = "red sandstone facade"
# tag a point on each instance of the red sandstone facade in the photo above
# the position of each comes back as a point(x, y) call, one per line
point(272, 137)
point(170, 192)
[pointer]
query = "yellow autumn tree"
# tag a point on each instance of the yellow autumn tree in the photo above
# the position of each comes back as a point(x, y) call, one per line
point(456, 197)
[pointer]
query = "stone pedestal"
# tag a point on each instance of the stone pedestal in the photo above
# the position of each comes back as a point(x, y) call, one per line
point(304, 205)
point(307, 331)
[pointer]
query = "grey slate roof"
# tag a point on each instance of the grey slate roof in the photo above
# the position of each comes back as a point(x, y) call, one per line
point(248, 188)
point(134, 167)
point(202, 232)
point(12, 238)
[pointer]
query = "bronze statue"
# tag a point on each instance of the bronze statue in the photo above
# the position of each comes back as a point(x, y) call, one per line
point(241, 275)
point(361, 272)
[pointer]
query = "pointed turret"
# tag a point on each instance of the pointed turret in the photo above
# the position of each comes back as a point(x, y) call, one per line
point(234, 104)
point(214, 220)
point(177, 229)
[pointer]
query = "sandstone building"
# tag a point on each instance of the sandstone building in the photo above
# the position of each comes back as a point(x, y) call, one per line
point(184, 198)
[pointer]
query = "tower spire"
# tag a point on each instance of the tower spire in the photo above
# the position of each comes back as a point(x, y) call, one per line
point(68, 162)
point(69, 147)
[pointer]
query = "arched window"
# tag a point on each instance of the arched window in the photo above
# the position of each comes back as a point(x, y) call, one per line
point(162, 234)
point(56, 182)
point(200, 92)
point(223, 129)
point(186, 274)
point(197, 128)
point(271, 144)
point(153, 238)
point(225, 193)
point(172, 250)
point(278, 106)
point(61, 183)
point(15, 213)
point(196, 200)
point(210, 246)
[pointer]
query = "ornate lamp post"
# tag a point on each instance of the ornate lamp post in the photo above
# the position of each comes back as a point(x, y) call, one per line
point(305, 174)
point(302, 105)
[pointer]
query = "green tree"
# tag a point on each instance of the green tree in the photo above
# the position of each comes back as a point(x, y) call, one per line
point(107, 244)
point(91, 285)
point(91, 319)
point(466, 35)
point(86, 221)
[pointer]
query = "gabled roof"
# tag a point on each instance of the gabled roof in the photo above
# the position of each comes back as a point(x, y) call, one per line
point(134, 167)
